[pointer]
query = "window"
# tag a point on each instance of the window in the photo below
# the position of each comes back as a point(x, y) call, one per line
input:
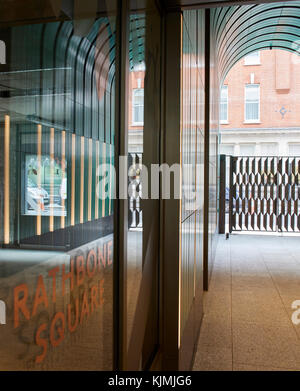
point(252, 112)
point(138, 106)
point(247, 149)
point(139, 67)
point(252, 59)
point(294, 149)
point(224, 105)
point(269, 149)
point(227, 149)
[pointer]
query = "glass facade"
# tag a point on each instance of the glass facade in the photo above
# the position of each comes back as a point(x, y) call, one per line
point(57, 122)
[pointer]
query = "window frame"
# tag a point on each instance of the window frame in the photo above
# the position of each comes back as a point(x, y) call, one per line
point(249, 144)
point(227, 145)
point(224, 121)
point(293, 144)
point(134, 91)
point(252, 63)
point(251, 121)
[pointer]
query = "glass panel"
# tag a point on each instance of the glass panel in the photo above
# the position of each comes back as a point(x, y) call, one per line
point(56, 213)
point(137, 69)
point(143, 214)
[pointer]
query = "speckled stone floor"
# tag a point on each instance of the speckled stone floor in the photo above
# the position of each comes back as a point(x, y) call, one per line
point(247, 322)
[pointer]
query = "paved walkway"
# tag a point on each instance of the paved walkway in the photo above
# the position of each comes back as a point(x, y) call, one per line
point(247, 322)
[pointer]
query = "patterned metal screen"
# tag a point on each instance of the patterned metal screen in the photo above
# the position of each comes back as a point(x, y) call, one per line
point(264, 194)
point(135, 188)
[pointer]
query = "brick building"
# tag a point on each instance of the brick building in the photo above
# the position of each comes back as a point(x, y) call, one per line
point(136, 109)
point(260, 105)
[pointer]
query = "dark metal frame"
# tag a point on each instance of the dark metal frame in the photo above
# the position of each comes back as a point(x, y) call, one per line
point(232, 165)
point(222, 197)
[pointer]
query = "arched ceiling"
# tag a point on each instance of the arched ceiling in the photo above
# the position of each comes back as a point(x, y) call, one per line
point(240, 30)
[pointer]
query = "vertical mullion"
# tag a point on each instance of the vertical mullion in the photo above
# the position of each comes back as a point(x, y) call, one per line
point(51, 217)
point(73, 152)
point(82, 179)
point(96, 182)
point(121, 205)
point(39, 164)
point(63, 167)
point(6, 179)
point(90, 179)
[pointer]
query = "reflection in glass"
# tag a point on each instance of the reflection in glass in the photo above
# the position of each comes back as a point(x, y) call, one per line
point(135, 158)
point(57, 119)
point(43, 185)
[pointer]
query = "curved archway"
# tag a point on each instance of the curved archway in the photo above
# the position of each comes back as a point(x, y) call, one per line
point(240, 30)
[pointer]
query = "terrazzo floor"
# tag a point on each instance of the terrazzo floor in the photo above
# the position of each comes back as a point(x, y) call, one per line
point(247, 323)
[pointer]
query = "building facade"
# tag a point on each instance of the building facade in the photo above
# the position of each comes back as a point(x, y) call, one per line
point(260, 105)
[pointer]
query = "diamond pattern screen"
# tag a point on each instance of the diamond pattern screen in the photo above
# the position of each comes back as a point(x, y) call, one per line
point(265, 194)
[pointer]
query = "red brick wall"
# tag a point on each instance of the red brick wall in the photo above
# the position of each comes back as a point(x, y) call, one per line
point(279, 79)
